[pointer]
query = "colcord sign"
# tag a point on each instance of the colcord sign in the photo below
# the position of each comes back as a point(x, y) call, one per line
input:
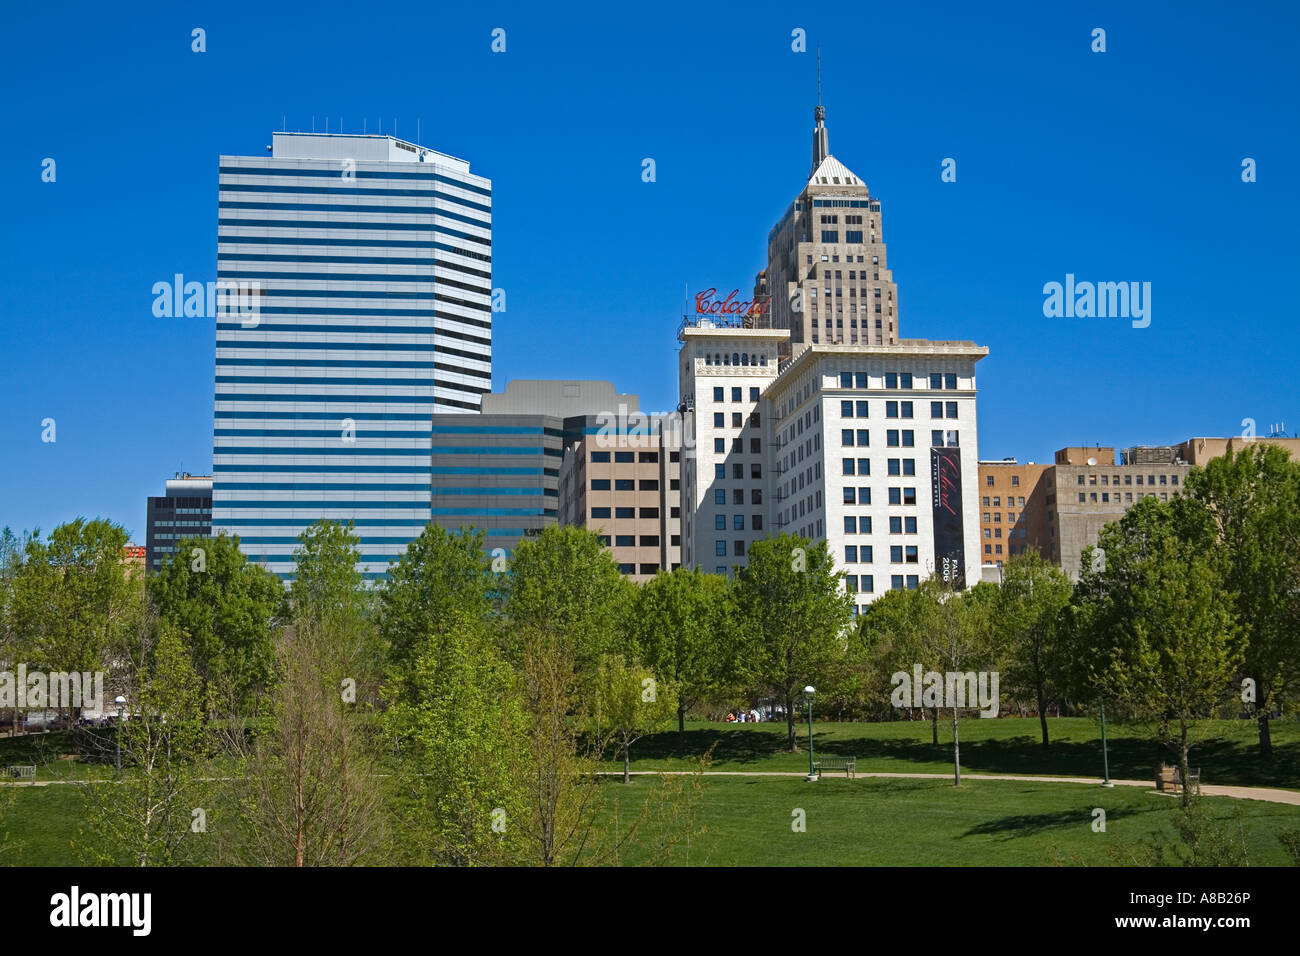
point(706, 303)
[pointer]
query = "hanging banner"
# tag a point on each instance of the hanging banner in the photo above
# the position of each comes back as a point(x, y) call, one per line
point(949, 536)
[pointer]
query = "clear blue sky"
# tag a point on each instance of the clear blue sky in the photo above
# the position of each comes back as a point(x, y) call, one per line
point(1117, 166)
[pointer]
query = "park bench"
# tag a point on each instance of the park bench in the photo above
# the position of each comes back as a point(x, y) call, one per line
point(21, 773)
point(847, 764)
point(1170, 778)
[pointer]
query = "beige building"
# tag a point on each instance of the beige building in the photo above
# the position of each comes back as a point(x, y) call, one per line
point(827, 273)
point(622, 478)
point(1013, 511)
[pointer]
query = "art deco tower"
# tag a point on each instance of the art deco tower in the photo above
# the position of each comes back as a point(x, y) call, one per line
point(826, 269)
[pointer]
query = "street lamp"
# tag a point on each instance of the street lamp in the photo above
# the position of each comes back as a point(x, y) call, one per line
point(1105, 757)
point(808, 696)
point(121, 713)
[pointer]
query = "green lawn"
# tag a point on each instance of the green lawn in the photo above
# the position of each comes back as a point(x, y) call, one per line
point(747, 821)
point(1229, 755)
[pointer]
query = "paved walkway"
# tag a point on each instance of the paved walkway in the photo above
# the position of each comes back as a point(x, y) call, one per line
point(1269, 794)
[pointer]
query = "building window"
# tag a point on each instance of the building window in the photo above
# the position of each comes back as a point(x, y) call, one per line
point(851, 554)
point(600, 512)
point(720, 548)
point(625, 541)
point(738, 549)
point(600, 484)
point(720, 522)
point(719, 496)
point(717, 394)
point(719, 421)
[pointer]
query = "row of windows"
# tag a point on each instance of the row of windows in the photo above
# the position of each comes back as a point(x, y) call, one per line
point(720, 548)
point(997, 501)
point(1128, 479)
point(1106, 497)
point(737, 522)
point(625, 484)
point(630, 540)
point(898, 438)
point(626, 512)
point(738, 471)
point(737, 419)
point(866, 583)
point(625, 457)
point(938, 380)
point(735, 358)
point(737, 496)
point(736, 393)
point(738, 446)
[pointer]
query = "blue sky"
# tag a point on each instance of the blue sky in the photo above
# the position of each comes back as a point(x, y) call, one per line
point(1123, 165)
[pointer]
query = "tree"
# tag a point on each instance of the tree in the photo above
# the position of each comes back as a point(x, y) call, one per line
point(441, 573)
point(630, 703)
point(1253, 500)
point(72, 599)
point(155, 814)
point(893, 633)
point(562, 791)
point(228, 609)
point(564, 583)
point(682, 629)
point(794, 615)
point(459, 726)
point(312, 776)
point(1160, 622)
point(961, 643)
point(1030, 601)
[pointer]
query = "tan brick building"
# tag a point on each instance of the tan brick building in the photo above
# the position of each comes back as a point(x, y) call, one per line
point(623, 480)
point(1013, 510)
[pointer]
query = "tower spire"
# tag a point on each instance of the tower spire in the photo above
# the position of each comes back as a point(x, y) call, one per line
point(821, 140)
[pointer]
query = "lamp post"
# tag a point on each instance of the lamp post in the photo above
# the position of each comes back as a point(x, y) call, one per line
point(1105, 757)
point(121, 713)
point(808, 696)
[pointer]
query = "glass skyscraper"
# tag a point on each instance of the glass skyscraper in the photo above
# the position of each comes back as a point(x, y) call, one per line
point(371, 264)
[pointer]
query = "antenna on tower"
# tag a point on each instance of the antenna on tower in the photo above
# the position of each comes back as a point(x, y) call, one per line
point(819, 76)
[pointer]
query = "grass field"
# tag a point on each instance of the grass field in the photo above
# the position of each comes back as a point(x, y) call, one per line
point(747, 820)
point(1228, 755)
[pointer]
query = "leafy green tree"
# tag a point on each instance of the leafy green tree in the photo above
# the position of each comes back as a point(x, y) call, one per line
point(1253, 499)
point(72, 598)
point(893, 633)
point(564, 583)
point(683, 630)
point(228, 608)
point(795, 617)
point(155, 814)
point(458, 723)
point(1161, 634)
point(311, 784)
point(630, 703)
point(1029, 605)
point(442, 573)
point(329, 595)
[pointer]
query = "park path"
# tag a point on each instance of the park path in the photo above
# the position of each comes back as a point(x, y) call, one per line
point(1269, 794)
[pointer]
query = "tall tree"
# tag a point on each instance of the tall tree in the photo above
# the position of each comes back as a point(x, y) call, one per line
point(228, 609)
point(312, 776)
point(1253, 499)
point(795, 616)
point(564, 583)
point(458, 724)
point(1030, 602)
point(72, 598)
point(442, 573)
point(682, 629)
point(155, 814)
point(1160, 622)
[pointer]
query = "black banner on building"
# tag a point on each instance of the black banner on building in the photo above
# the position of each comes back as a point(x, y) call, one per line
point(945, 496)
